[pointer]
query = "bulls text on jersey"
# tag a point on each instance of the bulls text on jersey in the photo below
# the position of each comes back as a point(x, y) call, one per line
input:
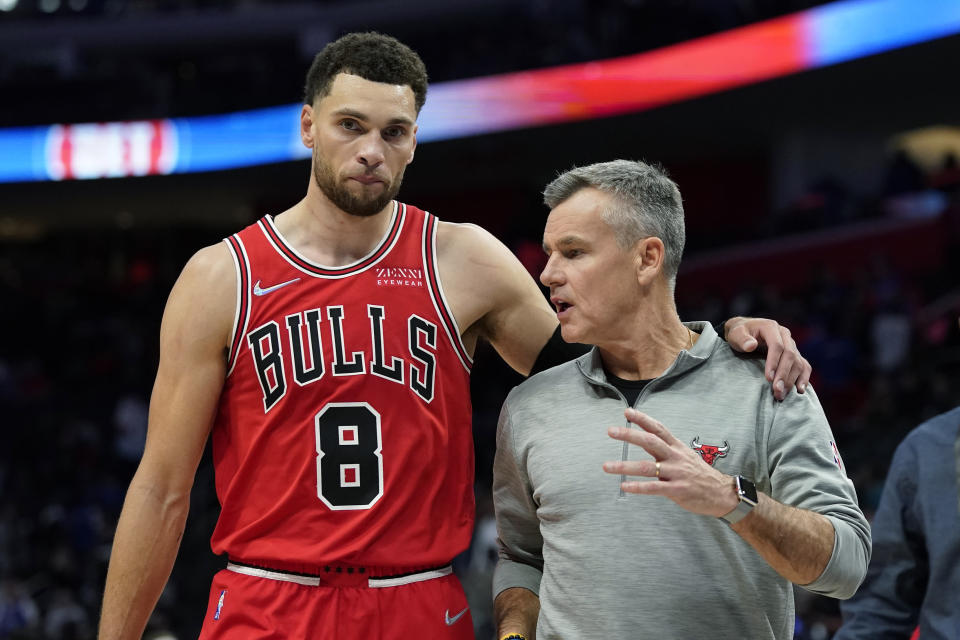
point(416, 368)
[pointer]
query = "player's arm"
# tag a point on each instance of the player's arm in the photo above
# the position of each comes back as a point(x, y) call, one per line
point(193, 338)
point(497, 300)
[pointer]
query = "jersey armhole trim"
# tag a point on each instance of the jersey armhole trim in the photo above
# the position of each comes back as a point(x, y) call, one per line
point(242, 316)
point(447, 319)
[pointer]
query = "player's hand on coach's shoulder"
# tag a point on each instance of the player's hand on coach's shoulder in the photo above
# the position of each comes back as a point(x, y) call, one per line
point(785, 367)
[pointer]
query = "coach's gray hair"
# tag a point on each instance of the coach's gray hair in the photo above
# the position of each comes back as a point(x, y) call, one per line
point(646, 203)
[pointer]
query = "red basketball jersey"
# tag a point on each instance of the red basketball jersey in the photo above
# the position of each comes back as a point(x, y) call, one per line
point(343, 433)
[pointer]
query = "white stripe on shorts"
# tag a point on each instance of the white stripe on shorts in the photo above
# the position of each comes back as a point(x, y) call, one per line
point(413, 577)
point(257, 572)
point(312, 581)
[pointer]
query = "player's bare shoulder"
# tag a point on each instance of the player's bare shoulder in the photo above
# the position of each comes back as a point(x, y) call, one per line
point(477, 271)
point(204, 297)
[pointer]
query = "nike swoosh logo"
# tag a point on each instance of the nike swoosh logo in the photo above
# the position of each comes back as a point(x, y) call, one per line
point(257, 291)
point(453, 620)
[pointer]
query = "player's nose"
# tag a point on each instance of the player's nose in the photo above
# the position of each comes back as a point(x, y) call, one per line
point(371, 151)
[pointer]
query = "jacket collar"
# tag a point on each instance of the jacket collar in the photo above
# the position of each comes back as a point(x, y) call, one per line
point(591, 365)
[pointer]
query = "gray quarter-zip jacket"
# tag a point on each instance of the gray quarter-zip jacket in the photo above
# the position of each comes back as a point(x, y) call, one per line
point(612, 565)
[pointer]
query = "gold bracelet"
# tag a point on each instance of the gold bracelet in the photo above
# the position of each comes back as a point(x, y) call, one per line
point(514, 636)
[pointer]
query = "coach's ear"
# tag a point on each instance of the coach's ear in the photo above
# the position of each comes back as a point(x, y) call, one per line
point(306, 126)
point(648, 260)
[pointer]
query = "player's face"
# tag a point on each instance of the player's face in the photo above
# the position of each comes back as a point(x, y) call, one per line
point(363, 135)
point(592, 281)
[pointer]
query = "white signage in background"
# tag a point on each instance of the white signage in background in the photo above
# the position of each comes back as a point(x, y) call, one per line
point(111, 150)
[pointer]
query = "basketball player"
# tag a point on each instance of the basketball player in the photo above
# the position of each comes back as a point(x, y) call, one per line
point(327, 352)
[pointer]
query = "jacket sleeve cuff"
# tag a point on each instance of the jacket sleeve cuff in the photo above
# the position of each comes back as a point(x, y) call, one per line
point(847, 566)
point(510, 574)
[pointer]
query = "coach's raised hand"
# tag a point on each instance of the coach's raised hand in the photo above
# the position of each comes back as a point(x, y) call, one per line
point(684, 477)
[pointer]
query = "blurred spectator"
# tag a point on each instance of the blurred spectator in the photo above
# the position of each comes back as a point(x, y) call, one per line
point(903, 175)
point(19, 614)
point(130, 423)
point(914, 575)
point(65, 619)
point(947, 178)
point(890, 333)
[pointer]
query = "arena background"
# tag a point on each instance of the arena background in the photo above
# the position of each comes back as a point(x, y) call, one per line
point(826, 198)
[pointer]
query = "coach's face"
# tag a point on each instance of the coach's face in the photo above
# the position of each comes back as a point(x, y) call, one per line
point(592, 281)
point(363, 135)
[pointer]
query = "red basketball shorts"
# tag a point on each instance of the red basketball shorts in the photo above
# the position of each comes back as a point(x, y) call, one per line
point(248, 603)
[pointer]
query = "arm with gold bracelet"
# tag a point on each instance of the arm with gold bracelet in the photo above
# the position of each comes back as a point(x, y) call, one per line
point(516, 611)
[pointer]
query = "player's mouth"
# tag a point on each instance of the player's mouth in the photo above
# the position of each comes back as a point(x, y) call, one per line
point(367, 179)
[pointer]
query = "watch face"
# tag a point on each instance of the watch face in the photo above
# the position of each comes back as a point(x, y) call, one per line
point(747, 489)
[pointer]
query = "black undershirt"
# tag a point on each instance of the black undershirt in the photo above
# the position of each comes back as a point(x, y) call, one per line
point(629, 388)
point(556, 351)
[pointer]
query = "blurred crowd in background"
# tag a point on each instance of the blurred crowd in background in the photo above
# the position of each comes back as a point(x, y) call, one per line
point(793, 213)
point(182, 57)
point(80, 325)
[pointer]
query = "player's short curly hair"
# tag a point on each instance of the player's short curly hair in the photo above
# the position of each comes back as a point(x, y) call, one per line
point(372, 56)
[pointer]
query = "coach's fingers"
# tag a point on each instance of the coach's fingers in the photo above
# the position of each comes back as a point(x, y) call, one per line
point(649, 488)
point(651, 425)
point(650, 443)
point(645, 468)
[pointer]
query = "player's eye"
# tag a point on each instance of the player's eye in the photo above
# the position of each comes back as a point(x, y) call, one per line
point(349, 124)
point(394, 132)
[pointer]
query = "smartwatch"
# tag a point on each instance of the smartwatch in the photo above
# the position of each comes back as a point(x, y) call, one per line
point(747, 495)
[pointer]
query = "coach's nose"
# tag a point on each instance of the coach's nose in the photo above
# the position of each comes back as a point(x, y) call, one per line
point(552, 274)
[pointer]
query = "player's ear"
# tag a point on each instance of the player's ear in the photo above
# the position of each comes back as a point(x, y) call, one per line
point(306, 126)
point(414, 147)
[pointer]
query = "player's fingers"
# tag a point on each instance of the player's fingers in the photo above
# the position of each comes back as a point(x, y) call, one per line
point(804, 379)
point(772, 337)
point(645, 468)
point(793, 377)
point(788, 367)
point(650, 443)
point(651, 425)
point(740, 337)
